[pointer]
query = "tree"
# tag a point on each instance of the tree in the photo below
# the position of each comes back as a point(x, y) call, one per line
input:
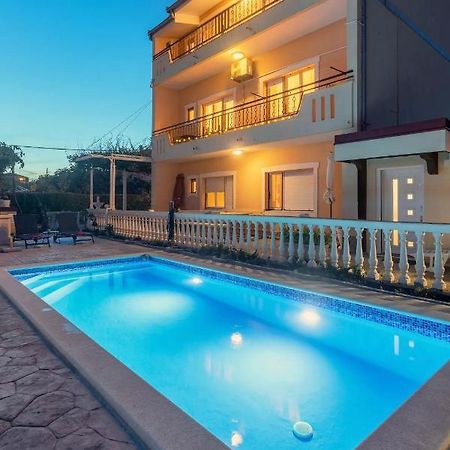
point(75, 177)
point(10, 157)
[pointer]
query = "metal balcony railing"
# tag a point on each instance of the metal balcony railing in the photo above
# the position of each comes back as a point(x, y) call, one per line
point(221, 23)
point(264, 110)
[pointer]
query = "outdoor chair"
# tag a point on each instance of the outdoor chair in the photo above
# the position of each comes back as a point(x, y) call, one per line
point(68, 227)
point(27, 230)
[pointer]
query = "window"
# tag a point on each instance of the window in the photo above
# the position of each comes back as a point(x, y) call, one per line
point(284, 92)
point(219, 117)
point(193, 186)
point(292, 190)
point(190, 113)
point(219, 192)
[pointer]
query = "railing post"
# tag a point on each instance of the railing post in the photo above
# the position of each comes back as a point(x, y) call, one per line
point(300, 245)
point(311, 248)
point(282, 246)
point(403, 265)
point(272, 240)
point(388, 274)
point(241, 235)
point(334, 263)
point(234, 238)
point(291, 248)
point(420, 263)
point(322, 251)
point(359, 256)
point(373, 260)
point(346, 256)
point(249, 236)
point(439, 269)
point(264, 240)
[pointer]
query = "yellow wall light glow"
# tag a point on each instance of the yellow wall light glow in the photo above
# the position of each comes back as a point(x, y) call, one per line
point(238, 55)
point(237, 152)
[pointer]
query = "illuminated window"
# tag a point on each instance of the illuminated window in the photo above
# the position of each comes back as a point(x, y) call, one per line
point(410, 212)
point(215, 199)
point(292, 190)
point(219, 192)
point(190, 113)
point(285, 93)
point(410, 180)
point(193, 186)
point(410, 196)
point(410, 244)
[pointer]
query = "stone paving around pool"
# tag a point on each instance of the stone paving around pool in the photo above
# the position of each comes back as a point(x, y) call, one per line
point(43, 405)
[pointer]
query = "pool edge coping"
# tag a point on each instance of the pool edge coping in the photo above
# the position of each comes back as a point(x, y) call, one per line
point(144, 410)
point(397, 425)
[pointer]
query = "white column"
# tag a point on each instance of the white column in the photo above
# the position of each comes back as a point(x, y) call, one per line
point(346, 256)
point(281, 248)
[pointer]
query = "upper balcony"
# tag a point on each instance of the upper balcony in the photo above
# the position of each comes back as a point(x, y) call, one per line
point(185, 53)
point(221, 23)
point(314, 112)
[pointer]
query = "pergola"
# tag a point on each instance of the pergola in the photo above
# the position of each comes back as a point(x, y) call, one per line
point(113, 157)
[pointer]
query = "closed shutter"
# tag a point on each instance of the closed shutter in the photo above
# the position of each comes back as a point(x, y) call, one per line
point(299, 190)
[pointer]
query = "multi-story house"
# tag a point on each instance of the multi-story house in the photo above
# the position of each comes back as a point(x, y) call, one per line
point(250, 97)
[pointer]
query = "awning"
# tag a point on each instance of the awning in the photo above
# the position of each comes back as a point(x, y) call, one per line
point(424, 139)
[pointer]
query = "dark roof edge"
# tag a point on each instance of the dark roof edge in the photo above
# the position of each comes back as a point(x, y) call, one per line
point(158, 27)
point(176, 5)
point(397, 130)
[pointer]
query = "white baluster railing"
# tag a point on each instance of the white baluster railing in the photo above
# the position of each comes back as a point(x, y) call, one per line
point(378, 250)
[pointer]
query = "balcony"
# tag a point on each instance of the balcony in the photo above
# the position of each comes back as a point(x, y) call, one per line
point(322, 106)
point(223, 22)
point(261, 26)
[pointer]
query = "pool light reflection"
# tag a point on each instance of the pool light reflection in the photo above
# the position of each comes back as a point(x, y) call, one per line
point(236, 339)
point(236, 439)
point(196, 281)
point(309, 317)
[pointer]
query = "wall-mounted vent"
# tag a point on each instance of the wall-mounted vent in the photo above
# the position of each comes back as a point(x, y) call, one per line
point(242, 70)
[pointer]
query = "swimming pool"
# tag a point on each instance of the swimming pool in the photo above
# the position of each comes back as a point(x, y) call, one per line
point(245, 358)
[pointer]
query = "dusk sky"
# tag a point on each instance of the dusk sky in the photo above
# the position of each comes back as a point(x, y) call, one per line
point(71, 70)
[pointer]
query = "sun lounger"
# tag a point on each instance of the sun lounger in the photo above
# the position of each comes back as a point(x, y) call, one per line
point(27, 230)
point(68, 227)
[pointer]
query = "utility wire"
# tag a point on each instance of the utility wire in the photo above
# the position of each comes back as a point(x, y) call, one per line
point(132, 116)
point(138, 112)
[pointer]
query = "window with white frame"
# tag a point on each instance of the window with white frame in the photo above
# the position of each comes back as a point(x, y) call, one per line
point(291, 190)
point(284, 92)
point(219, 192)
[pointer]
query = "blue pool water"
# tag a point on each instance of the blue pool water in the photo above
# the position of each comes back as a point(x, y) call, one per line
point(248, 360)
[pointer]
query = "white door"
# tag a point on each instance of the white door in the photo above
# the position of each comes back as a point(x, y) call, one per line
point(401, 198)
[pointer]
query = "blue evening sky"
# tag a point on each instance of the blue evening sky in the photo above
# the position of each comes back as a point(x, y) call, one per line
point(70, 70)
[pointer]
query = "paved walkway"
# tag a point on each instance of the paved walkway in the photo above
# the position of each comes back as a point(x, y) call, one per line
point(43, 405)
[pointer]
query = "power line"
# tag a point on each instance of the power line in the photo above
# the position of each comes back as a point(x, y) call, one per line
point(138, 112)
